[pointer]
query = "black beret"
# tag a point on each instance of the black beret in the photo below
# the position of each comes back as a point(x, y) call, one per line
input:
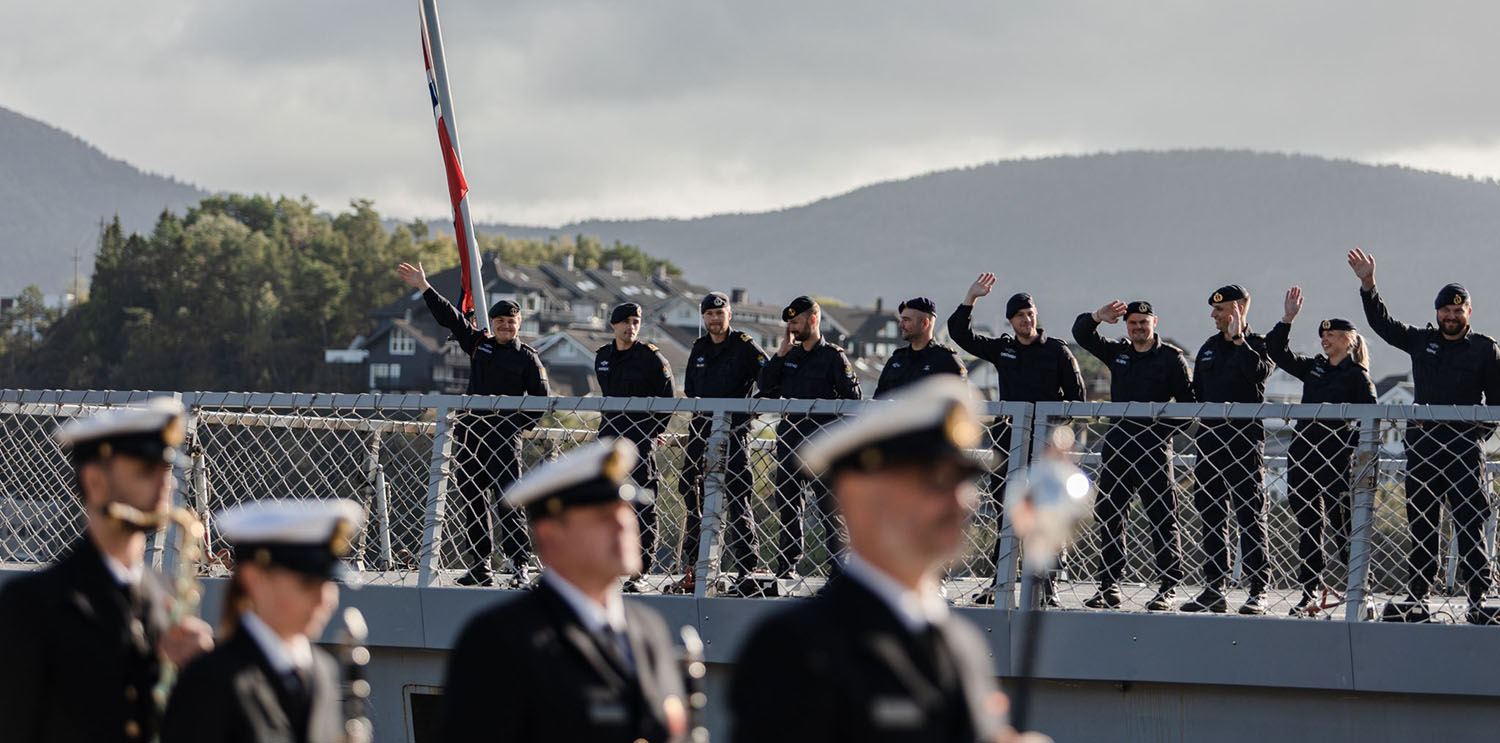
point(1452, 294)
point(1140, 307)
point(920, 304)
point(1018, 302)
point(798, 306)
point(713, 301)
point(1337, 323)
point(1229, 294)
point(624, 312)
point(505, 308)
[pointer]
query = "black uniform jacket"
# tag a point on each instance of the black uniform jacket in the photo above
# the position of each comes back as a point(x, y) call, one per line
point(1443, 372)
point(75, 663)
point(822, 373)
point(638, 371)
point(231, 694)
point(529, 670)
point(726, 369)
point(1346, 382)
point(1228, 372)
point(1041, 371)
point(841, 667)
point(495, 368)
point(906, 366)
point(1158, 374)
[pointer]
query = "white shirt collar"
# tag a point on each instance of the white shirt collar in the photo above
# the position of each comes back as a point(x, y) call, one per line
point(915, 609)
point(594, 617)
point(284, 656)
point(123, 575)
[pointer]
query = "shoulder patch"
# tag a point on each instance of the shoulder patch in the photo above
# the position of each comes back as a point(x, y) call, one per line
point(746, 338)
point(652, 346)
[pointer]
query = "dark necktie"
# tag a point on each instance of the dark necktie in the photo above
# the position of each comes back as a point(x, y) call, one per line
point(298, 698)
point(937, 658)
point(617, 648)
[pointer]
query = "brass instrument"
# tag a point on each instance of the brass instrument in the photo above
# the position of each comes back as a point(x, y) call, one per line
point(182, 574)
point(357, 727)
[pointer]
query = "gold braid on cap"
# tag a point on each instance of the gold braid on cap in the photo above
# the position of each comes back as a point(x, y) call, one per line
point(614, 465)
point(175, 432)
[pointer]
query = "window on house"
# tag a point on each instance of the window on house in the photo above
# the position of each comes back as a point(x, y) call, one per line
point(382, 375)
point(402, 343)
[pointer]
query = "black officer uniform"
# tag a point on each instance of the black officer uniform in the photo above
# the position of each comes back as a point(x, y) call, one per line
point(907, 364)
point(847, 666)
point(1444, 461)
point(1230, 473)
point(820, 373)
point(1137, 455)
point(250, 689)
point(725, 369)
point(1318, 460)
point(638, 371)
point(1041, 371)
point(534, 669)
point(488, 443)
point(78, 646)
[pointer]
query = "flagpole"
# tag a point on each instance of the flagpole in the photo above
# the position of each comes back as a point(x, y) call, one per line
point(445, 102)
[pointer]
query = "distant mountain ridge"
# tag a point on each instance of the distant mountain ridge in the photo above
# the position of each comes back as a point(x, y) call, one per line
point(1076, 232)
point(54, 189)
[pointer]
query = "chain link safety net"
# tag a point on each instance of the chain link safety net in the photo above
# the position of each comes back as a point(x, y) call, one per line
point(1291, 510)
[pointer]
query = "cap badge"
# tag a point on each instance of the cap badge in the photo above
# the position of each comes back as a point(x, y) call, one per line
point(1218, 297)
point(1327, 325)
point(341, 542)
point(614, 466)
point(1458, 299)
point(175, 432)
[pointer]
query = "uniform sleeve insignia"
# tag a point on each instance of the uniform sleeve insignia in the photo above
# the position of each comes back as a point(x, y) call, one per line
point(848, 371)
point(651, 346)
point(745, 337)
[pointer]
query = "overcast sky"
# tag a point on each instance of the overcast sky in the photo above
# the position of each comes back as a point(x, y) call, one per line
point(615, 108)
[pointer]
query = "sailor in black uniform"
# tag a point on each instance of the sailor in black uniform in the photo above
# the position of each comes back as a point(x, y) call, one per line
point(921, 356)
point(487, 443)
point(571, 660)
point(81, 642)
point(723, 363)
point(626, 367)
point(1450, 365)
point(266, 682)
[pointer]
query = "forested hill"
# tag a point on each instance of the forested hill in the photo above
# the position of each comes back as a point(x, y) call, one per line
point(54, 190)
point(1077, 231)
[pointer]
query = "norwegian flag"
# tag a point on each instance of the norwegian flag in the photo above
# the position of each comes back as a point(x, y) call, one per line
point(458, 188)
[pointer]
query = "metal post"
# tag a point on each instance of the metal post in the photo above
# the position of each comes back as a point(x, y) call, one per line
point(715, 480)
point(435, 508)
point(1008, 547)
point(200, 501)
point(1362, 517)
point(375, 476)
point(162, 549)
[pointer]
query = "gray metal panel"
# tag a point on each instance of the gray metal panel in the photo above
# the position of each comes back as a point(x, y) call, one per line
point(726, 623)
point(445, 611)
point(996, 628)
point(1426, 658)
point(1116, 646)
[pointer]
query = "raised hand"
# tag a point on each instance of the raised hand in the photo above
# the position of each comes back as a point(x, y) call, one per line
point(414, 276)
point(1363, 265)
point(1293, 304)
point(1112, 312)
point(1236, 321)
point(980, 287)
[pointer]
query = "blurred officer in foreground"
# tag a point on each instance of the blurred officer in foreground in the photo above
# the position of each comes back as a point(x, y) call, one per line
point(1137, 454)
point(1031, 367)
point(1450, 365)
point(626, 367)
point(82, 642)
point(876, 655)
point(571, 660)
point(805, 367)
point(1232, 366)
point(266, 682)
point(1318, 460)
point(487, 444)
point(921, 356)
point(722, 363)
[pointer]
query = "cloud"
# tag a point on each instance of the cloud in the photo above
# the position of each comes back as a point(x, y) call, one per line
point(574, 108)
